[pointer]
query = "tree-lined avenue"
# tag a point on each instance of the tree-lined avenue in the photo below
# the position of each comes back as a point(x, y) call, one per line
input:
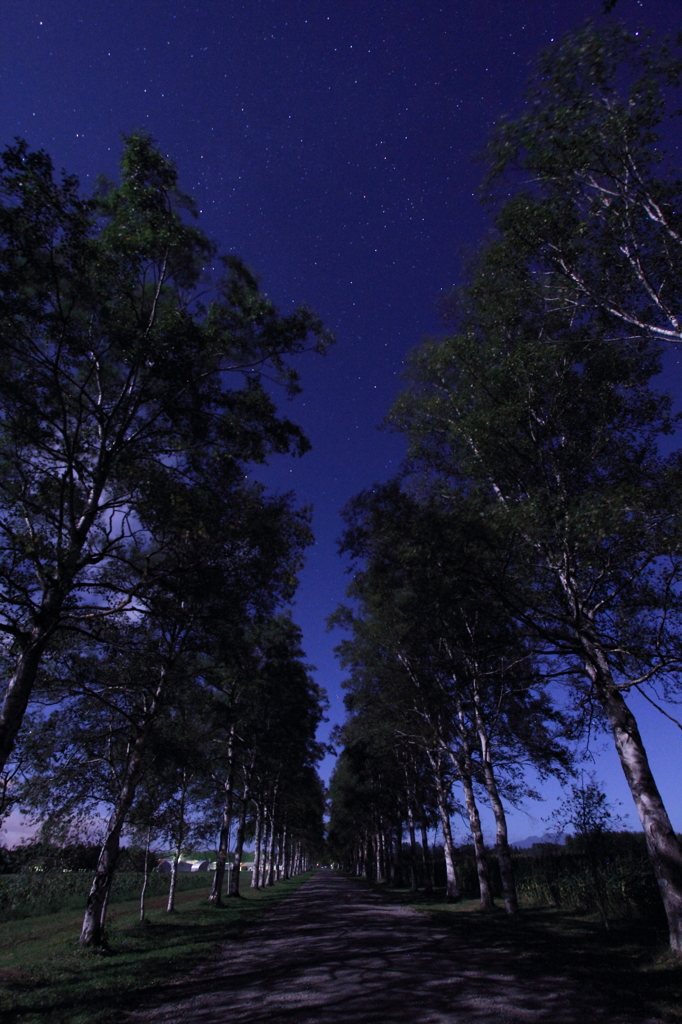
point(338, 952)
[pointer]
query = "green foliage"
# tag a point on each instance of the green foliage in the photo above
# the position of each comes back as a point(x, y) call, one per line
point(545, 403)
point(40, 856)
point(550, 875)
point(596, 195)
point(143, 574)
point(588, 812)
point(539, 419)
point(35, 893)
point(131, 401)
point(565, 879)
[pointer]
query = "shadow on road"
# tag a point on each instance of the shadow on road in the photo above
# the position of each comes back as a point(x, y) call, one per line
point(339, 953)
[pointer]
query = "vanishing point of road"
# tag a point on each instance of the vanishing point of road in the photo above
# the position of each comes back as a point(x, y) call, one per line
point(334, 952)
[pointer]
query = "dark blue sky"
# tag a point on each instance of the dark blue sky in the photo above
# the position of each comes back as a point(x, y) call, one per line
point(331, 145)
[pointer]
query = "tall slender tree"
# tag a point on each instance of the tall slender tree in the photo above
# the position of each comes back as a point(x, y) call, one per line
point(553, 419)
point(594, 173)
point(433, 638)
point(115, 376)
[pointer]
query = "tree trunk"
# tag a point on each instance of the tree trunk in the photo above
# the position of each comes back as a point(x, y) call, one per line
point(501, 837)
point(285, 852)
point(255, 881)
point(504, 858)
point(269, 866)
point(385, 840)
point(462, 759)
point(46, 623)
point(270, 811)
point(451, 886)
point(216, 894)
point(428, 861)
point(270, 855)
point(477, 836)
point(146, 873)
point(170, 906)
point(399, 873)
point(392, 854)
point(664, 849)
point(386, 854)
point(239, 846)
point(19, 692)
point(263, 874)
point(414, 881)
point(92, 931)
point(170, 909)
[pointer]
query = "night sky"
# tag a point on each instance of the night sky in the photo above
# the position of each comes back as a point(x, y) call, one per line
point(332, 145)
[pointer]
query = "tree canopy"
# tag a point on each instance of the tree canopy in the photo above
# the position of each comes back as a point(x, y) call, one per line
point(131, 389)
point(536, 427)
point(143, 576)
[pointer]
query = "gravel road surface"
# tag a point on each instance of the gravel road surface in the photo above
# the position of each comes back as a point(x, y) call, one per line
point(337, 953)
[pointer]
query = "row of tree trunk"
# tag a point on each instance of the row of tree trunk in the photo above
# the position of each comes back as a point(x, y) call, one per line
point(398, 850)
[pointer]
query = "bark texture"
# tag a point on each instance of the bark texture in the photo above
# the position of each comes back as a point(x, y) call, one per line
point(255, 876)
point(235, 874)
point(92, 932)
point(19, 692)
point(477, 836)
point(216, 894)
point(501, 836)
point(662, 844)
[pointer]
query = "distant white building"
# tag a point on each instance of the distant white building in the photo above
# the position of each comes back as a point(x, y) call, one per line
point(165, 865)
point(196, 864)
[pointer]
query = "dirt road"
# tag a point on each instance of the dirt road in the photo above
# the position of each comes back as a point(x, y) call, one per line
point(336, 953)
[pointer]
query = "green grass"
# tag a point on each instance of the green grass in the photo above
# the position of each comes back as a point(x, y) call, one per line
point(46, 979)
point(630, 963)
point(40, 893)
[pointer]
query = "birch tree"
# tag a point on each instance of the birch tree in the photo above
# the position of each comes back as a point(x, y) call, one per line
point(432, 639)
point(129, 348)
point(595, 178)
point(554, 420)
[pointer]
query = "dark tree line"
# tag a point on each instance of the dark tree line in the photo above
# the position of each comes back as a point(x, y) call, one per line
point(529, 558)
point(152, 668)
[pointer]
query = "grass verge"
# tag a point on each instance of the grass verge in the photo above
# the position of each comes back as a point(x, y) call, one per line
point(630, 963)
point(46, 979)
